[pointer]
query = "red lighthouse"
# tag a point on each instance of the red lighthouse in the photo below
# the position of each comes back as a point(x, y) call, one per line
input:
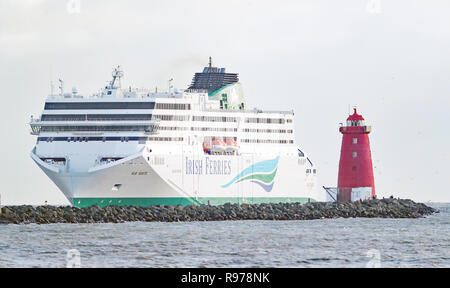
point(355, 180)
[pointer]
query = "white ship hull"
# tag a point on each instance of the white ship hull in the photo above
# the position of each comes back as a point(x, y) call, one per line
point(186, 178)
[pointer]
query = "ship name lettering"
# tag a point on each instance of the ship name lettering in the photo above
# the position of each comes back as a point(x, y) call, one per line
point(212, 167)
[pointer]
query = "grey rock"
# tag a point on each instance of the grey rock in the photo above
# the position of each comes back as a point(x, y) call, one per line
point(384, 208)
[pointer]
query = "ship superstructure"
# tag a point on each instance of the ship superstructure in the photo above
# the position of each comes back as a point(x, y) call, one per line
point(195, 146)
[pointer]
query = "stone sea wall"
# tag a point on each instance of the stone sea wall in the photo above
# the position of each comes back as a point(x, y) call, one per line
point(382, 208)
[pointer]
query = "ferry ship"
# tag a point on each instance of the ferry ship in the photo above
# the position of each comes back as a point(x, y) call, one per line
point(200, 145)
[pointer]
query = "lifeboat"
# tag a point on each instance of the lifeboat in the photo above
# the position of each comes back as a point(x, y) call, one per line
point(231, 145)
point(218, 145)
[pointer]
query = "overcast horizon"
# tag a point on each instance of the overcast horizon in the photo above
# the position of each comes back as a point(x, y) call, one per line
point(319, 58)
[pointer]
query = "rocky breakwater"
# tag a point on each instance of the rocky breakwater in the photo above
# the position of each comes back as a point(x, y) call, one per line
point(383, 208)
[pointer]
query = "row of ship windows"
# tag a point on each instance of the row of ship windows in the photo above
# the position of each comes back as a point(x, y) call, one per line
point(221, 119)
point(113, 117)
point(217, 119)
point(166, 139)
point(104, 139)
point(163, 128)
point(86, 139)
point(267, 141)
point(117, 105)
point(214, 129)
point(246, 120)
point(171, 117)
point(94, 128)
point(173, 106)
point(246, 130)
point(96, 117)
point(214, 119)
point(268, 120)
point(149, 128)
point(268, 130)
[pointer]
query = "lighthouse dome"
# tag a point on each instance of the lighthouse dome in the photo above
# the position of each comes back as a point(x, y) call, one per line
point(355, 119)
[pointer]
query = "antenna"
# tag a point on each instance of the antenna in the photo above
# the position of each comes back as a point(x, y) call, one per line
point(61, 87)
point(170, 84)
point(210, 62)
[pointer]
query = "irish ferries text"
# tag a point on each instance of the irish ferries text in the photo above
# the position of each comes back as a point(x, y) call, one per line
point(207, 166)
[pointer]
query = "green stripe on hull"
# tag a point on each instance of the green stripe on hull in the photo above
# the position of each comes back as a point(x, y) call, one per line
point(102, 202)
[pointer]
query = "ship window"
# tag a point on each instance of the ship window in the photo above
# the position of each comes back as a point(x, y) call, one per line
point(116, 187)
point(355, 154)
point(355, 140)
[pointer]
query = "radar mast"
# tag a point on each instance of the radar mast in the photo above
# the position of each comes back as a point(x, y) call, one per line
point(115, 82)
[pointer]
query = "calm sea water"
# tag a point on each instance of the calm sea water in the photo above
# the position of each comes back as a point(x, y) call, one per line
point(315, 243)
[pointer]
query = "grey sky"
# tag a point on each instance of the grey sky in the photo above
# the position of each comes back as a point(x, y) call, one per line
point(316, 57)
